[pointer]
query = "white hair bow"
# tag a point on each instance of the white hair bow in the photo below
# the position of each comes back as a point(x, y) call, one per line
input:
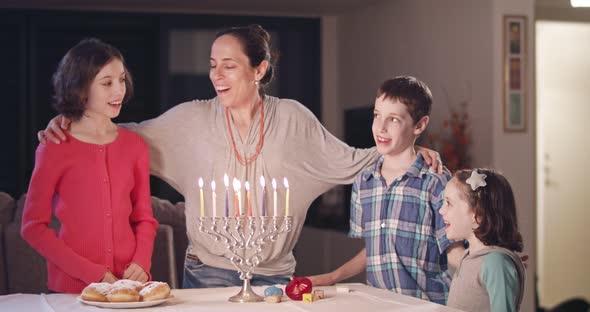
point(476, 180)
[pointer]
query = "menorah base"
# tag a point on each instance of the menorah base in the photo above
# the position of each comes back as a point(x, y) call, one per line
point(244, 238)
point(246, 294)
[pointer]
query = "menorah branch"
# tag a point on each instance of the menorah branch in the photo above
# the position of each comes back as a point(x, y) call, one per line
point(245, 238)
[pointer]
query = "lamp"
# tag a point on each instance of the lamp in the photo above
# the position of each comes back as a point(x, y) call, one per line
point(580, 3)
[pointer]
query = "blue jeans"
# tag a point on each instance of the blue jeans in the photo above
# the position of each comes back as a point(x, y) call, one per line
point(199, 275)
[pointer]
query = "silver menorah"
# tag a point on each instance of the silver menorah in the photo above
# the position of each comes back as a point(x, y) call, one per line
point(245, 238)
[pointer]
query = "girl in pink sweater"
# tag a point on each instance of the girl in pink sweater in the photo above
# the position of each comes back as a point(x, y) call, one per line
point(96, 183)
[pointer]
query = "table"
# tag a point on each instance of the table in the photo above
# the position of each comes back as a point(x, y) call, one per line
point(360, 298)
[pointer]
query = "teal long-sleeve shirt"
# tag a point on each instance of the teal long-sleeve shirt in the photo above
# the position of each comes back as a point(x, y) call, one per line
point(501, 280)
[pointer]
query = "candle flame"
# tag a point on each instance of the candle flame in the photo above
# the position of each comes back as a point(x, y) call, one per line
point(262, 181)
point(237, 185)
point(225, 180)
point(213, 186)
point(274, 183)
point(247, 186)
point(285, 182)
point(200, 182)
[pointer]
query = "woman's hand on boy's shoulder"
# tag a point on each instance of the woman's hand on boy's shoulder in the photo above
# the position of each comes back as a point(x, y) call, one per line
point(431, 158)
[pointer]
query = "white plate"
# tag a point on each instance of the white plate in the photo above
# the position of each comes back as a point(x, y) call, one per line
point(124, 305)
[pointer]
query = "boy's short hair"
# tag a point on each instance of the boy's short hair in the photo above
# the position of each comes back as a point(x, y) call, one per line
point(76, 72)
point(410, 91)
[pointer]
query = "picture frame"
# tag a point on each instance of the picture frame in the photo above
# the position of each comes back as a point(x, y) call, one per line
point(515, 64)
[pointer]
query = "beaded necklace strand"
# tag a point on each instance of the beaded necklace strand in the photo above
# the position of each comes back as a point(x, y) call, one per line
point(244, 161)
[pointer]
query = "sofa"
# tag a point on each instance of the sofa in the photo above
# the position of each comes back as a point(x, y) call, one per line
point(23, 270)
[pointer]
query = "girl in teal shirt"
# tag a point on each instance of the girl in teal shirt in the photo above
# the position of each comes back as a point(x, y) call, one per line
point(479, 207)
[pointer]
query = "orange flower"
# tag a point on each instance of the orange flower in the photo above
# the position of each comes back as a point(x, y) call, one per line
point(453, 140)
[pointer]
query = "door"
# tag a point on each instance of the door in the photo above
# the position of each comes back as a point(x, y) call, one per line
point(563, 101)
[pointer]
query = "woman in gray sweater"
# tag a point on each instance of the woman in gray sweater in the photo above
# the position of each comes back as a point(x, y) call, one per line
point(246, 134)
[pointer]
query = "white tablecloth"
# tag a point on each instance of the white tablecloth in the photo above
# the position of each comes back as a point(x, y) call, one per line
point(361, 298)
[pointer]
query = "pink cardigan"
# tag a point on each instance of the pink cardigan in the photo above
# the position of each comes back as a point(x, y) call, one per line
point(101, 196)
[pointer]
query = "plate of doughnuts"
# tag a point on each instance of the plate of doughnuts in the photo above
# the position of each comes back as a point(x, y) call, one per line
point(124, 294)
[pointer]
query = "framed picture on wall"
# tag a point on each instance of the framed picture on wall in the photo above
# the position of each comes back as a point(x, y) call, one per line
point(515, 93)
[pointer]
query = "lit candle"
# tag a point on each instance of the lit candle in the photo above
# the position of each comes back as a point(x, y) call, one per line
point(226, 183)
point(238, 196)
point(274, 196)
point(240, 211)
point(263, 184)
point(248, 201)
point(202, 200)
point(286, 183)
point(213, 199)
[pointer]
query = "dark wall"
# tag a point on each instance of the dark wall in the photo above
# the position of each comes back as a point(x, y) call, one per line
point(33, 42)
point(14, 99)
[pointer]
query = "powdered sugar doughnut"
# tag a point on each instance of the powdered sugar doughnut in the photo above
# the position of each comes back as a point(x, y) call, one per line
point(125, 283)
point(123, 295)
point(154, 291)
point(96, 292)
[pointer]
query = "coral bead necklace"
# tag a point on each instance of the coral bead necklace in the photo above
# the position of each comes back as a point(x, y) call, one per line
point(245, 160)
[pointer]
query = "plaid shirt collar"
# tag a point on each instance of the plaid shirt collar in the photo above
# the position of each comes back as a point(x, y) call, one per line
point(416, 170)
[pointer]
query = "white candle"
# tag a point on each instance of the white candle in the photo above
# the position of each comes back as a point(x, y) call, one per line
point(238, 196)
point(226, 183)
point(202, 200)
point(286, 183)
point(213, 199)
point(241, 210)
point(274, 196)
point(248, 201)
point(263, 184)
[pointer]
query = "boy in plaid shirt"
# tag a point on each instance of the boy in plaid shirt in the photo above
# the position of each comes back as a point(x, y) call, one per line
point(395, 203)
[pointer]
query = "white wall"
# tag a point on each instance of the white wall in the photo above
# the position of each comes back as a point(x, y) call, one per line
point(514, 153)
point(332, 110)
point(449, 45)
point(446, 44)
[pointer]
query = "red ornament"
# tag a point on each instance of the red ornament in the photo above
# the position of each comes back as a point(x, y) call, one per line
point(297, 287)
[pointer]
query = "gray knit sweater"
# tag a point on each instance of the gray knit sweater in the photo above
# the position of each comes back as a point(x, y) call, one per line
point(192, 140)
point(491, 279)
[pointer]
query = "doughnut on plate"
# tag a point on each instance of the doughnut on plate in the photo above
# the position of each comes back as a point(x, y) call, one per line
point(124, 305)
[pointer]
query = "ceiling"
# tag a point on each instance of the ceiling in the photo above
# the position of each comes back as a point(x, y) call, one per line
point(275, 7)
point(245, 7)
